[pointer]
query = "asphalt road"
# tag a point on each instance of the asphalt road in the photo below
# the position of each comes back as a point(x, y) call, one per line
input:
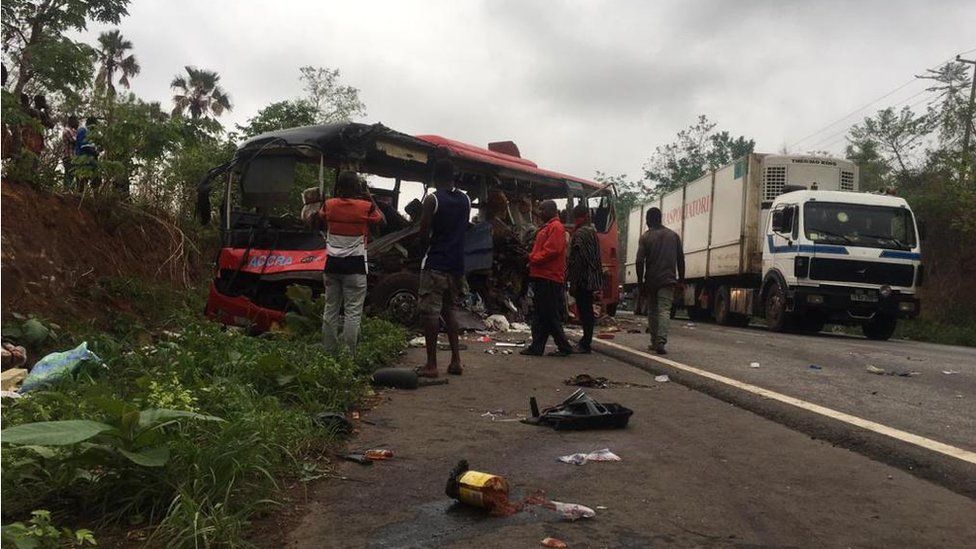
point(696, 471)
point(915, 394)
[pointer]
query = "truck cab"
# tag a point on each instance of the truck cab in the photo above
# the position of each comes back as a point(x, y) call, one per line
point(840, 257)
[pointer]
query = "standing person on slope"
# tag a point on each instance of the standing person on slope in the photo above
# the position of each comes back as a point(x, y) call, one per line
point(443, 225)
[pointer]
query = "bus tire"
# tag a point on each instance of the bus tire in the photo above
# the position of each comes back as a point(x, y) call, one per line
point(396, 296)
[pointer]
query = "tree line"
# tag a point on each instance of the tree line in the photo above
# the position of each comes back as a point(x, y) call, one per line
point(148, 152)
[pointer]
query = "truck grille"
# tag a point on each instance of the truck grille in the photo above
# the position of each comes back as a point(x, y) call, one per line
point(774, 180)
point(866, 272)
point(846, 180)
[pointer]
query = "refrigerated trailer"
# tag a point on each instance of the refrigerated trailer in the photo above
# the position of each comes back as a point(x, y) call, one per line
point(790, 239)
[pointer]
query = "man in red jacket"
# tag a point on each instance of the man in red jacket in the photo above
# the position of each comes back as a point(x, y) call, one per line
point(547, 272)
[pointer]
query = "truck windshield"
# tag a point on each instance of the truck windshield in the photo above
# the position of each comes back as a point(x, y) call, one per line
point(859, 225)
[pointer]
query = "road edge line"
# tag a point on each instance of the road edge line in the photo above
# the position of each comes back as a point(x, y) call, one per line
point(947, 470)
point(898, 434)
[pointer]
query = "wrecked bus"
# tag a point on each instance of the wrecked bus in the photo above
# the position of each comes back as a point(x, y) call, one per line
point(266, 245)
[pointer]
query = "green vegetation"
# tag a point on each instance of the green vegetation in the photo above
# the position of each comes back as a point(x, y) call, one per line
point(40, 533)
point(187, 428)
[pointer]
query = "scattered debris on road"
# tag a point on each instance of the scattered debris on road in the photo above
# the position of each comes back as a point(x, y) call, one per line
point(580, 412)
point(357, 458)
point(590, 382)
point(604, 335)
point(553, 543)
point(571, 511)
point(662, 378)
point(597, 455)
point(478, 489)
point(753, 364)
point(586, 380)
point(816, 367)
point(882, 372)
point(378, 454)
point(497, 323)
point(949, 372)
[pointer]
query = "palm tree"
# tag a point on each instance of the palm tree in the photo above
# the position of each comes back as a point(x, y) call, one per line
point(199, 93)
point(112, 58)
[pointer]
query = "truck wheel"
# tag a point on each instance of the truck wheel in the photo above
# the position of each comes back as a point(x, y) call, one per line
point(880, 328)
point(777, 319)
point(396, 296)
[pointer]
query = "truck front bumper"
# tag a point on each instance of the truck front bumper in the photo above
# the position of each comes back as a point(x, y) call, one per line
point(851, 305)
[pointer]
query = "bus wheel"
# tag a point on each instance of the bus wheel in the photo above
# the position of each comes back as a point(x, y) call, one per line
point(396, 297)
point(880, 328)
point(777, 319)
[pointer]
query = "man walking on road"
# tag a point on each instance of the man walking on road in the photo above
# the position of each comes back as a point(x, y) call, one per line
point(547, 272)
point(346, 218)
point(659, 253)
point(584, 272)
point(443, 225)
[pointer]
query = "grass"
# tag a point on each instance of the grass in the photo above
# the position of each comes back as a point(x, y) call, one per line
point(219, 474)
point(959, 332)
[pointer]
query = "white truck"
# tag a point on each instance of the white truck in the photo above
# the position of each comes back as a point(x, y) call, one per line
point(790, 239)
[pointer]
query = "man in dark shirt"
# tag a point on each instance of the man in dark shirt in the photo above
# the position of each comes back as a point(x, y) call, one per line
point(659, 253)
point(443, 225)
point(584, 272)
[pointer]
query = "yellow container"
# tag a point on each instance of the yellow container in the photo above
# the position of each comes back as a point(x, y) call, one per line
point(482, 489)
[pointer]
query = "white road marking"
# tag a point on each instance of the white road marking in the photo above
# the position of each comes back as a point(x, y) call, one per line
point(904, 436)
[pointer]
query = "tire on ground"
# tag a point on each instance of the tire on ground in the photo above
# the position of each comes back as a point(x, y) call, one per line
point(774, 307)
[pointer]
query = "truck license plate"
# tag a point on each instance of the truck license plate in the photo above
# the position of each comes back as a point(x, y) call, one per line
point(865, 297)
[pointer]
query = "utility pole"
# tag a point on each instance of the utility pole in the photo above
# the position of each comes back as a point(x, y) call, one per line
point(966, 156)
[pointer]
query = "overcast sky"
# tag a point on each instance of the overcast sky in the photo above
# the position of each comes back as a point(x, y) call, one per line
point(580, 86)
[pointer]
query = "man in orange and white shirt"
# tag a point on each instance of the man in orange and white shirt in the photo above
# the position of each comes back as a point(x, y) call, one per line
point(346, 218)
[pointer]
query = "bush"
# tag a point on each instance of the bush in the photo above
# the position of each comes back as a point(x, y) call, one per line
point(200, 481)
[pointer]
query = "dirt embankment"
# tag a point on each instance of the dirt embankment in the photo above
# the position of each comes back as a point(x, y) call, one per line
point(56, 248)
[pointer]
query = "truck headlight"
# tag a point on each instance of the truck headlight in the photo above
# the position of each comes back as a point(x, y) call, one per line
point(885, 291)
point(906, 306)
point(801, 266)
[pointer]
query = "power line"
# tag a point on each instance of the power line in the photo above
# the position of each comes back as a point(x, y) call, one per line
point(852, 113)
point(846, 128)
point(843, 135)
